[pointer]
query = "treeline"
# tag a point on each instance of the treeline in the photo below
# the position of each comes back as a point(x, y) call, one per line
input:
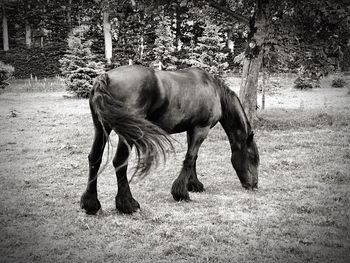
point(172, 34)
point(176, 33)
point(309, 37)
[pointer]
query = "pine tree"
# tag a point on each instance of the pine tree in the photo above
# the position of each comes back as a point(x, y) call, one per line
point(78, 66)
point(208, 53)
point(164, 44)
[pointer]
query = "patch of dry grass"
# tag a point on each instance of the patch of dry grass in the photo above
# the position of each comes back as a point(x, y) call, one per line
point(35, 84)
point(299, 214)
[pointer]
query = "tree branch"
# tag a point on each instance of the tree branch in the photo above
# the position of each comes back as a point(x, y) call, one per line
point(229, 12)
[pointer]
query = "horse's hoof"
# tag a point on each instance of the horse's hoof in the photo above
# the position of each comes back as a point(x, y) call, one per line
point(126, 205)
point(90, 203)
point(181, 197)
point(195, 187)
point(179, 191)
point(248, 186)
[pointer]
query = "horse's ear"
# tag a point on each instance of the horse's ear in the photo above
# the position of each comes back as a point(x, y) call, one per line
point(250, 138)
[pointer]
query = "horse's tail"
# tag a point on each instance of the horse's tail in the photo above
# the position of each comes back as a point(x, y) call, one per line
point(149, 140)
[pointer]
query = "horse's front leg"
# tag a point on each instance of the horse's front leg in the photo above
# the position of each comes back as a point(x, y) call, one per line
point(124, 201)
point(89, 201)
point(194, 185)
point(187, 180)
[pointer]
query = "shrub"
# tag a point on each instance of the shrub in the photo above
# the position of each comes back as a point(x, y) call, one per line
point(6, 72)
point(338, 83)
point(78, 66)
point(306, 83)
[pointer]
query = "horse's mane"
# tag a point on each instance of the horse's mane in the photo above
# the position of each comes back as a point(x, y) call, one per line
point(231, 105)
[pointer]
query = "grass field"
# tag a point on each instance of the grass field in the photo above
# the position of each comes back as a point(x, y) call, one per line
point(301, 212)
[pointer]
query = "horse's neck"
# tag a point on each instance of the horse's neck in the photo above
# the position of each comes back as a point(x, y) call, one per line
point(234, 120)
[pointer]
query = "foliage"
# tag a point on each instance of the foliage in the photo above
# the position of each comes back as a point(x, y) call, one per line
point(133, 32)
point(50, 19)
point(208, 53)
point(40, 62)
point(338, 82)
point(345, 62)
point(308, 33)
point(313, 34)
point(78, 66)
point(126, 32)
point(303, 82)
point(164, 47)
point(6, 72)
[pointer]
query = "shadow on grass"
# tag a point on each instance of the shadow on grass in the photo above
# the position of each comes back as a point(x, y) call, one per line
point(280, 119)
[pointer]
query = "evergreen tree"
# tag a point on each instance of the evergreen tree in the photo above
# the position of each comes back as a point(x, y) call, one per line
point(164, 47)
point(208, 53)
point(78, 66)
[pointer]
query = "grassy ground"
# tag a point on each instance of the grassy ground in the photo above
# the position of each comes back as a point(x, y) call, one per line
point(300, 213)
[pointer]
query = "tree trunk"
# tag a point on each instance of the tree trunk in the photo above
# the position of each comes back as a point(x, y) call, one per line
point(5, 35)
point(249, 86)
point(253, 55)
point(178, 27)
point(28, 29)
point(107, 36)
point(230, 44)
point(28, 35)
point(69, 14)
point(142, 47)
point(252, 61)
point(264, 87)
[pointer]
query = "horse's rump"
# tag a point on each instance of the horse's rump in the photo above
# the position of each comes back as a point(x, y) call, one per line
point(149, 140)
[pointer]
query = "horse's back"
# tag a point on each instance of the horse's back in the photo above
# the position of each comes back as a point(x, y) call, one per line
point(175, 100)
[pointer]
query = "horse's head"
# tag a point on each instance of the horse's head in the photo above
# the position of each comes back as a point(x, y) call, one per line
point(245, 160)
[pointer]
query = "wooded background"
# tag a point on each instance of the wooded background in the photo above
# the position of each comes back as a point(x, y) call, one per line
point(46, 38)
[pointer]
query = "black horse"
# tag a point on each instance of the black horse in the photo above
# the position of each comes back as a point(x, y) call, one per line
point(144, 106)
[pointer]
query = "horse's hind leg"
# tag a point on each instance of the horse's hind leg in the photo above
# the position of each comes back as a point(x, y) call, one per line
point(89, 200)
point(187, 175)
point(124, 201)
